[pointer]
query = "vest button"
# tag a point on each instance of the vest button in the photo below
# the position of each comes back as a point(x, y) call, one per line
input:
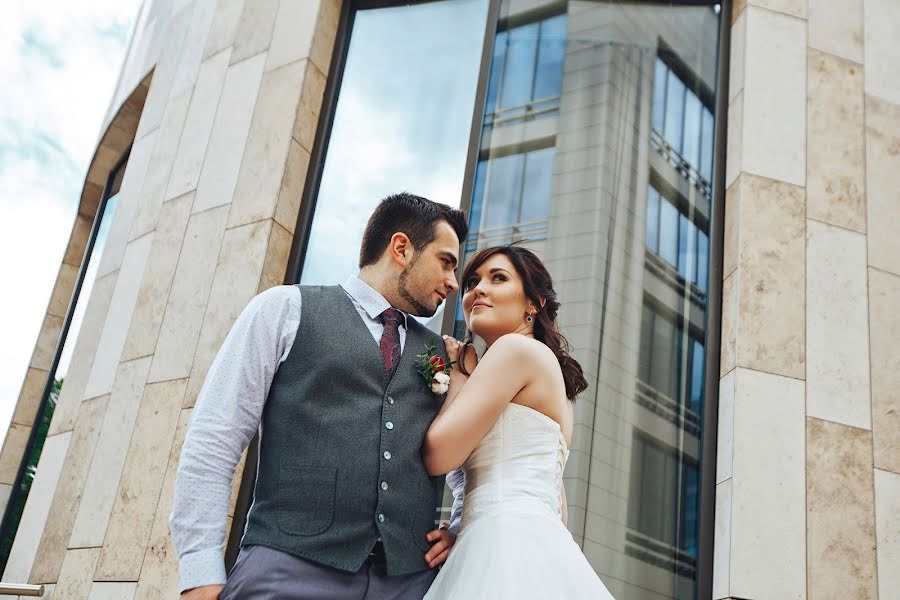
point(388, 425)
point(384, 485)
point(387, 455)
point(390, 399)
point(381, 517)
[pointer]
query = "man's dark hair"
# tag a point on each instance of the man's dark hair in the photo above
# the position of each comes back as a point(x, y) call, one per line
point(415, 216)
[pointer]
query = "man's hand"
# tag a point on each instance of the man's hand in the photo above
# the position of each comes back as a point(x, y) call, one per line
point(443, 541)
point(204, 592)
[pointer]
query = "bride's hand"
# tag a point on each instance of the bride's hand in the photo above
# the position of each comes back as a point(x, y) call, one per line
point(454, 347)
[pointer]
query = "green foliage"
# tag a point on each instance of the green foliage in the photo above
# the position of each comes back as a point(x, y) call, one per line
point(18, 497)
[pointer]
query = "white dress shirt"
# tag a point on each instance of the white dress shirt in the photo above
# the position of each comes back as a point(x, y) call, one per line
point(228, 412)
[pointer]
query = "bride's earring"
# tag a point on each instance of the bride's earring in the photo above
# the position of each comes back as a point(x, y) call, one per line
point(529, 318)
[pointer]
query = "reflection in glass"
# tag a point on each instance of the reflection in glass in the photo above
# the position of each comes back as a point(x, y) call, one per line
point(401, 123)
point(596, 151)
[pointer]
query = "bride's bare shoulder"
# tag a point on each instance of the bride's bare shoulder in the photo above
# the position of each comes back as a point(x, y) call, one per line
point(514, 345)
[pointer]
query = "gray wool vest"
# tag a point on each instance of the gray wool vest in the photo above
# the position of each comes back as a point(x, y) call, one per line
point(340, 460)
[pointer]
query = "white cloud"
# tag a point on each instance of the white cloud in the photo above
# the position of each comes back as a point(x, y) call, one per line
point(58, 64)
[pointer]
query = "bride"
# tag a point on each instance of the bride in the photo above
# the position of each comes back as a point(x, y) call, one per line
point(508, 422)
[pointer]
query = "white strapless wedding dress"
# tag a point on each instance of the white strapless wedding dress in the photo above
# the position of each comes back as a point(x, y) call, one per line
point(513, 544)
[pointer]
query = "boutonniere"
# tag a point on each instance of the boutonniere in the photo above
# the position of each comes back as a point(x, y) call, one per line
point(434, 370)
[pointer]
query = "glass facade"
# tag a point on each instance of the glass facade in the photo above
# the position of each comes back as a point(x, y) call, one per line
point(593, 146)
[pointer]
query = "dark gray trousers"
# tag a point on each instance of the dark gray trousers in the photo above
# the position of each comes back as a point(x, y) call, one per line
point(262, 573)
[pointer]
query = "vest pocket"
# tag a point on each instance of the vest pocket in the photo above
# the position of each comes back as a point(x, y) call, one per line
point(306, 499)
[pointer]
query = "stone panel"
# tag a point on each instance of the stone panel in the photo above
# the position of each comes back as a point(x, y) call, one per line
point(277, 254)
point(229, 134)
point(76, 575)
point(884, 331)
point(326, 32)
point(836, 27)
point(292, 37)
point(198, 125)
point(157, 281)
point(307, 121)
point(109, 457)
point(236, 281)
point(287, 210)
point(887, 528)
point(127, 206)
point(159, 573)
point(190, 293)
point(722, 548)
point(72, 392)
point(882, 191)
point(47, 342)
point(882, 49)
point(62, 290)
point(37, 508)
point(795, 8)
point(837, 344)
point(115, 327)
point(771, 303)
point(768, 522)
point(836, 178)
point(224, 26)
point(30, 396)
point(112, 591)
point(142, 478)
point(840, 517)
point(263, 165)
point(774, 108)
point(194, 44)
point(66, 494)
point(13, 450)
point(254, 31)
point(153, 190)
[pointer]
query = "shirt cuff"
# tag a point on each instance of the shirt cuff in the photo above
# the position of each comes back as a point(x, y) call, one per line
point(204, 567)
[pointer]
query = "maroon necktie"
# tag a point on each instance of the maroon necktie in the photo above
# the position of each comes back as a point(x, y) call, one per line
point(390, 340)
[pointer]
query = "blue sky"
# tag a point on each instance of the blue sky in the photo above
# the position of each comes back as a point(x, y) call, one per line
point(58, 63)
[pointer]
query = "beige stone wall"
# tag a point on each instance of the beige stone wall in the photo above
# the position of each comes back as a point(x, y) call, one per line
point(808, 482)
point(205, 221)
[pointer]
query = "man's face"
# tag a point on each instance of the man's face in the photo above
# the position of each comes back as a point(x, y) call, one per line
point(430, 275)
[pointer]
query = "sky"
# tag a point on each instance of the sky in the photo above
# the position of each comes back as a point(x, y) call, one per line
point(59, 62)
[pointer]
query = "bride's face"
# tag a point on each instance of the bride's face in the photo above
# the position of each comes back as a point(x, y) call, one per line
point(494, 301)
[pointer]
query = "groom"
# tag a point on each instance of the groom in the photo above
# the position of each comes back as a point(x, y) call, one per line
point(343, 507)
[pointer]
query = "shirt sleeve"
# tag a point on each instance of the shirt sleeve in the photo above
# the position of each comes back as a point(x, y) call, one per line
point(226, 416)
point(456, 479)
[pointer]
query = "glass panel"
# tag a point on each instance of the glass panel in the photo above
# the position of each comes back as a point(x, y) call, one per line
point(548, 75)
point(497, 65)
point(706, 145)
point(504, 190)
point(579, 203)
point(659, 94)
point(674, 111)
point(652, 220)
point(692, 113)
point(401, 122)
point(538, 183)
point(668, 232)
point(702, 261)
point(518, 76)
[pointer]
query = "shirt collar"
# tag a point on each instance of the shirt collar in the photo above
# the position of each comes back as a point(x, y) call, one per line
point(370, 300)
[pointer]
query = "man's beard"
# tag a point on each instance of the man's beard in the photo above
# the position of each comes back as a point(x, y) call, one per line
point(419, 309)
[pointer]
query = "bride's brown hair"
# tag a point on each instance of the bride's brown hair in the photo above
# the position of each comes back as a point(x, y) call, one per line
point(538, 287)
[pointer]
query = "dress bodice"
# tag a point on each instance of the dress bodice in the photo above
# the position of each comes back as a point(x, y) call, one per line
point(517, 467)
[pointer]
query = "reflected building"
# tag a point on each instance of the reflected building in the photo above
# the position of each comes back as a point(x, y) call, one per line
point(597, 151)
